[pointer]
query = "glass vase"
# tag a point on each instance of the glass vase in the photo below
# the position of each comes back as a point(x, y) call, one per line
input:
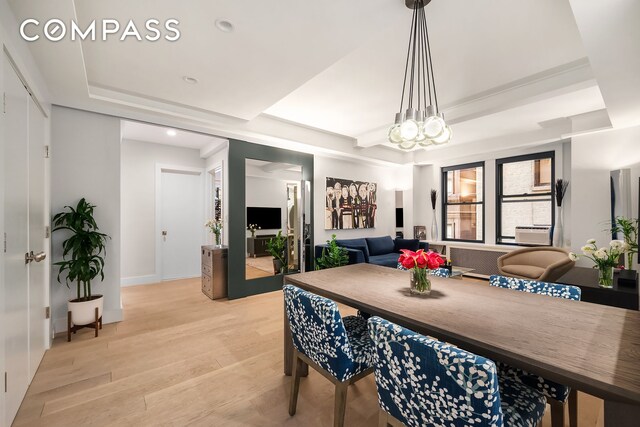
point(434, 228)
point(217, 239)
point(419, 281)
point(605, 277)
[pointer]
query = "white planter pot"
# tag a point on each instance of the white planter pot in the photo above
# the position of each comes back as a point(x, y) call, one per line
point(84, 312)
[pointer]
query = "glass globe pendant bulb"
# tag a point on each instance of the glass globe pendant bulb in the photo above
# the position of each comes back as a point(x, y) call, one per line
point(425, 143)
point(408, 144)
point(433, 127)
point(409, 130)
point(421, 136)
point(444, 137)
point(394, 134)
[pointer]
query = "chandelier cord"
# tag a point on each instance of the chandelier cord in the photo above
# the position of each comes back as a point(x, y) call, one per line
point(425, 63)
point(421, 69)
point(406, 66)
point(413, 56)
point(433, 79)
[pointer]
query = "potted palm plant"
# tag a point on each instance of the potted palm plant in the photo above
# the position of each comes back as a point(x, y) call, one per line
point(277, 248)
point(332, 255)
point(82, 259)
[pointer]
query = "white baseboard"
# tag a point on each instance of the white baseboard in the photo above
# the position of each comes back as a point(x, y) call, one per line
point(191, 276)
point(139, 280)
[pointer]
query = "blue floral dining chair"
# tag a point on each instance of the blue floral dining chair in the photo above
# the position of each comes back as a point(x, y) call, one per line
point(337, 347)
point(438, 272)
point(425, 382)
point(559, 395)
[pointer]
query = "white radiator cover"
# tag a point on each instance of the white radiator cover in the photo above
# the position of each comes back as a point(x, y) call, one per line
point(483, 260)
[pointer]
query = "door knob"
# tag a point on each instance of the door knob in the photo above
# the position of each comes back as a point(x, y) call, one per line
point(30, 257)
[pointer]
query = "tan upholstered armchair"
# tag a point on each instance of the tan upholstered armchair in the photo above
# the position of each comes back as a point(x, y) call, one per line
point(545, 264)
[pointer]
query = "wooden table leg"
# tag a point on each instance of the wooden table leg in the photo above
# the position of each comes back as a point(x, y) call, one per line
point(288, 351)
point(617, 414)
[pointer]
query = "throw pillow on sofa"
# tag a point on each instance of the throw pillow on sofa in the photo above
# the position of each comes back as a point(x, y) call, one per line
point(410, 244)
point(380, 245)
point(357, 244)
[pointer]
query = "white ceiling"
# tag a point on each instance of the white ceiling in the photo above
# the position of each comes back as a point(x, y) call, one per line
point(277, 45)
point(138, 131)
point(327, 75)
point(476, 45)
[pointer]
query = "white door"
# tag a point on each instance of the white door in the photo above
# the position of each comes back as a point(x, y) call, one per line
point(16, 215)
point(38, 243)
point(181, 224)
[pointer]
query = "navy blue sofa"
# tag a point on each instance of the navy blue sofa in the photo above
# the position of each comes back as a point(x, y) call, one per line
point(375, 250)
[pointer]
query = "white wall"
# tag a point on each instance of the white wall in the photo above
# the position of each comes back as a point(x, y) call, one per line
point(139, 159)
point(424, 179)
point(2, 297)
point(388, 180)
point(267, 193)
point(269, 190)
point(85, 162)
point(593, 158)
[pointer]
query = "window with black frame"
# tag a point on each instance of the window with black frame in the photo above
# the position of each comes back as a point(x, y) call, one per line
point(463, 204)
point(524, 194)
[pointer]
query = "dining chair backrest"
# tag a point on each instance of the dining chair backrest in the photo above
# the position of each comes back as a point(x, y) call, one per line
point(422, 381)
point(438, 272)
point(318, 331)
point(542, 288)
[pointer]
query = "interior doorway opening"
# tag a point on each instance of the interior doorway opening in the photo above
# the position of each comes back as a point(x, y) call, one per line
point(172, 183)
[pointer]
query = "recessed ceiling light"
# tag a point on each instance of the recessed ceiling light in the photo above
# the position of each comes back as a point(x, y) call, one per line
point(224, 25)
point(172, 132)
point(190, 80)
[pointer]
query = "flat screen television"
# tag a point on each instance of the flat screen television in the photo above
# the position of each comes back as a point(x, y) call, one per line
point(265, 218)
point(399, 218)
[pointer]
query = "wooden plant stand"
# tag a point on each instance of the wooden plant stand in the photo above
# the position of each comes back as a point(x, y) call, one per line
point(94, 325)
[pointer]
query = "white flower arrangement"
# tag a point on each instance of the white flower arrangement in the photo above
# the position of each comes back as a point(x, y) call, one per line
point(214, 226)
point(603, 257)
point(587, 249)
point(620, 245)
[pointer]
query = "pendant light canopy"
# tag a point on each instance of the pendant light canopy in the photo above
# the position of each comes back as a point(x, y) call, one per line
point(421, 123)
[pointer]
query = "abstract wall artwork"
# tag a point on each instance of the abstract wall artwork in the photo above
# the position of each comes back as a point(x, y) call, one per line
point(350, 204)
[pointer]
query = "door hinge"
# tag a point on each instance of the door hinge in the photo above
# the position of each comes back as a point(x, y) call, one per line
point(4, 102)
point(47, 312)
point(5, 381)
point(47, 232)
point(46, 151)
point(5, 243)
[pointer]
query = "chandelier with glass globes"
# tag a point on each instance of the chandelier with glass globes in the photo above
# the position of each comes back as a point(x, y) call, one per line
point(421, 124)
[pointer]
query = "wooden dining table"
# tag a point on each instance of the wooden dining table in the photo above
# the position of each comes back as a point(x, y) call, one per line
point(593, 348)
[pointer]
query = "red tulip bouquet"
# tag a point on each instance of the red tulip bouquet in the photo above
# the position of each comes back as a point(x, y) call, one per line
point(418, 263)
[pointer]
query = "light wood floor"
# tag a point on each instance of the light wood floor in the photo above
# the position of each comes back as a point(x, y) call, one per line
point(181, 359)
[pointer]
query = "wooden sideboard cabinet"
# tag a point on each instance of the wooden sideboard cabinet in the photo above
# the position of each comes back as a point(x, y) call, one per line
point(257, 246)
point(214, 271)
